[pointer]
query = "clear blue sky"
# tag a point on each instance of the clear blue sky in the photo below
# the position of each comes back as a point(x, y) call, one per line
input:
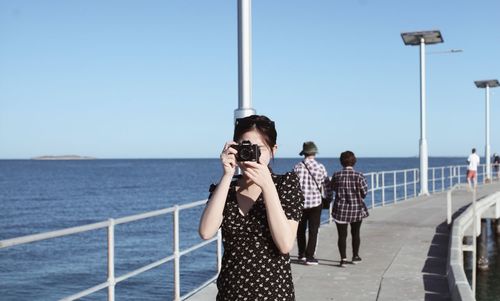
point(158, 79)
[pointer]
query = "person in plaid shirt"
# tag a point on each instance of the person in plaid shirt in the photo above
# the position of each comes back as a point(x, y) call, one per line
point(311, 214)
point(349, 208)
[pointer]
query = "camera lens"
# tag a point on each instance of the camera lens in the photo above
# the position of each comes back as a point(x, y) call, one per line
point(245, 154)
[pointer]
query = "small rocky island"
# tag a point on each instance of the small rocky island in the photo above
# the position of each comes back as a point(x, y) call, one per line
point(64, 157)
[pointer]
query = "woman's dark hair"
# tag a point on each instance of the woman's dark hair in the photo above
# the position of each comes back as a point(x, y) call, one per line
point(347, 158)
point(263, 125)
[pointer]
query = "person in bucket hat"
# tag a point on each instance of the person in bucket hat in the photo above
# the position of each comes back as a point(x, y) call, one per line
point(312, 175)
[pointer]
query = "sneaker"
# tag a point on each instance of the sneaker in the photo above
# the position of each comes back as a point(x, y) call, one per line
point(356, 259)
point(301, 258)
point(342, 263)
point(312, 261)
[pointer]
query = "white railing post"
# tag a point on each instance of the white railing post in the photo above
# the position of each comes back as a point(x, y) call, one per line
point(177, 284)
point(219, 250)
point(414, 182)
point(458, 174)
point(484, 173)
point(474, 242)
point(451, 176)
point(383, 188)
point(111, 260)
point(442, 178)
point(373, 191)
point(405, 184)
point(433, 180)
point(395, 184)
point(330, 209)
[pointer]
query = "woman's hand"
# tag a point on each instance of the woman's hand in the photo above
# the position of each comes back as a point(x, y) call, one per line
point(258, 173)
point(228, 158)
point(212, 216)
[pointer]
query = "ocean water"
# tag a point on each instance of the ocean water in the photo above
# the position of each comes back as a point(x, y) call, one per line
point(40, 196)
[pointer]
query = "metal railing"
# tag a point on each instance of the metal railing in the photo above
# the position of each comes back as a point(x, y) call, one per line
point(110, 224)
point(385, 186)
point(393, 186)
point(488, 207)
point(390, 187)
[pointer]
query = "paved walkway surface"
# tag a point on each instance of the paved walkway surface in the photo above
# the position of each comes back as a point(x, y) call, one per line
point(404, 249)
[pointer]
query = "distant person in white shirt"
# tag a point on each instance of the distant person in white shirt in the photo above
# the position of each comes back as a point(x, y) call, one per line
point(472, 168)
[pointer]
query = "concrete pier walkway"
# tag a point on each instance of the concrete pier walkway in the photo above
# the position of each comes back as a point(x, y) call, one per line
point(404, 249)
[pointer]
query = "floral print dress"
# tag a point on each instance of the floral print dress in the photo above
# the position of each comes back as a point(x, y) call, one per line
point(252, 266)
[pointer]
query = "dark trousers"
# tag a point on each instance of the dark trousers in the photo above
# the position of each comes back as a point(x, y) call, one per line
point(356, 241)
point(311, 218)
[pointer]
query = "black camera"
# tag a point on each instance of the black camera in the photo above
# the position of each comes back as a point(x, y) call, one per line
point(247, 151)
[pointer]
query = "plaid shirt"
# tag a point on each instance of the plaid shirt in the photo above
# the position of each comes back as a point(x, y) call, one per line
point(312, 196)
point(350, 189)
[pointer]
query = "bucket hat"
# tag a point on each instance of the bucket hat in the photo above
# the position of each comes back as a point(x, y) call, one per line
point(309, 148)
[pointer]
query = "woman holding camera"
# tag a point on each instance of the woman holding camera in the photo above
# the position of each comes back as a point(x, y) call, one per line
point(258, 213)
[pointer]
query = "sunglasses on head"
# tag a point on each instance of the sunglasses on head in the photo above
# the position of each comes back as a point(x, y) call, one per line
point(250, 121)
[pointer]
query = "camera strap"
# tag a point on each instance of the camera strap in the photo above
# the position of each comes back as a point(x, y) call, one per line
point(314, 179)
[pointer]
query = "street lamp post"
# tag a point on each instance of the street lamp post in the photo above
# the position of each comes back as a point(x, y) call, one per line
point(487, 84)
point(421, 38)
point(244, 60)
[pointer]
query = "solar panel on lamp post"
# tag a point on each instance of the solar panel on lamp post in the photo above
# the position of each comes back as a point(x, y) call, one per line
point(413, 39)
point(487, 84)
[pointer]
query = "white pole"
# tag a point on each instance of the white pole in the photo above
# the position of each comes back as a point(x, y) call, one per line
point(423, 141)
point(406, 189)
point(395, 187)
point(373, 190)
point(177, 261)
point(487, 154)
point(383, 188)
point(244, 60)
point(474, 242)
point(219, 251)
point(111, 260)
point(442, 178)
point(414, 182)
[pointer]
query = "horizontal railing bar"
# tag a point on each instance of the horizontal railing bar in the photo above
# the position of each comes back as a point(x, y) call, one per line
point(197, 246)
point(392, 171)
point(141, 216)
point(137, 217)
point(86, 292)
point(193, 204)
point(400, 185)
point(79, 229)
point(52, 234)
point(390, 186)
point(144, 268)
